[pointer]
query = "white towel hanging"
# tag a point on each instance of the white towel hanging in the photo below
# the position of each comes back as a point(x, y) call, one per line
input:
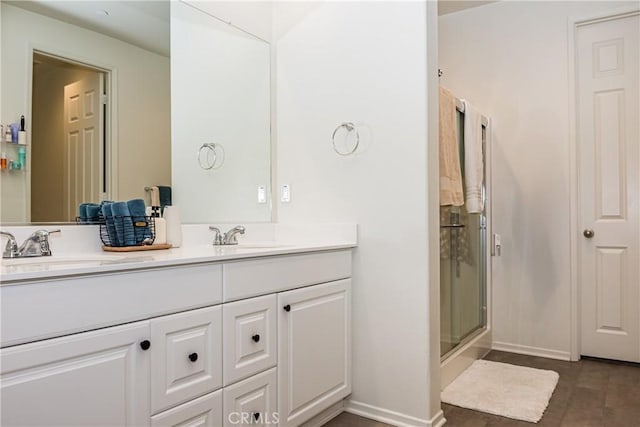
point(473, 159)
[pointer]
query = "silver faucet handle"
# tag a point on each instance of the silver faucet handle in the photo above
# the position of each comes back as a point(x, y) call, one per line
point(43, 239)
point(217, 239)
point(11, 249)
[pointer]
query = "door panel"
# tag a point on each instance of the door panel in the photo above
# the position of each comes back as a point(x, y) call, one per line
point(609, 187)
point(83, 142)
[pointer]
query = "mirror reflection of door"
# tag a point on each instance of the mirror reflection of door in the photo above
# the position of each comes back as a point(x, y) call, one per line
point(68, 138)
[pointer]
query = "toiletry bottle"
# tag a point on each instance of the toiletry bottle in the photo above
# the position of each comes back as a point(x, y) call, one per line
point(171, 216)
point(15, 128)
point(160, 227)
point(7, 133)
point(3, 161)
point(22, 158)
point(22, 134)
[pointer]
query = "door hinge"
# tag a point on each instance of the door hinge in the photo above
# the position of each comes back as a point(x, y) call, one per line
point(104, 99)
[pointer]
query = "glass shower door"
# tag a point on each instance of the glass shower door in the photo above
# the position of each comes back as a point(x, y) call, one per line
point(463, 276)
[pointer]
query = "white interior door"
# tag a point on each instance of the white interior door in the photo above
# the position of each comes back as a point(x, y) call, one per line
point(609, 187)
point(83, 133)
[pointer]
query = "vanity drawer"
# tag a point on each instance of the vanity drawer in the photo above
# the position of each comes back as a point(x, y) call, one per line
point(250, 337)
point(252, 401)
point(38, 310)
point(205, 411)
point(244, 279)
point(186, 356)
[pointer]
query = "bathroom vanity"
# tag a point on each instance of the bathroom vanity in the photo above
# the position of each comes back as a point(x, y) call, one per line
point(208, 336)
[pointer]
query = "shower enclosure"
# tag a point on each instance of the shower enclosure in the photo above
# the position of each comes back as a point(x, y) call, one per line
point(463, 267)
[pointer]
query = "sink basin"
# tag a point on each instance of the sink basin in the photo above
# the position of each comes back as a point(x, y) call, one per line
point(265, 245)
point(67, 261)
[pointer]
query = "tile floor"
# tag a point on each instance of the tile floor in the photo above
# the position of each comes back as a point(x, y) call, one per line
point(590, 392)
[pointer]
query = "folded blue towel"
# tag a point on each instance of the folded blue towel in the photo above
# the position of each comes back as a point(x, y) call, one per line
point(123, 223)
point(108, 219)
point(140, 227)
point(93, 213)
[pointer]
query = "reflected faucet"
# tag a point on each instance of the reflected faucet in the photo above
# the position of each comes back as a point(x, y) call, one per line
point(36, 245)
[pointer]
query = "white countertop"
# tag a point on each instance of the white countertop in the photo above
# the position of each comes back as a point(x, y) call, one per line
point(74, 260)
point(13, 271)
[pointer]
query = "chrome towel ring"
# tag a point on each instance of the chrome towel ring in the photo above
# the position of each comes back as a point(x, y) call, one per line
point(211, 156)
point(350, 127)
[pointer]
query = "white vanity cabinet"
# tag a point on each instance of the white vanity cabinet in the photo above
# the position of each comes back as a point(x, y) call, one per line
point(94, 378)
point(314, 350)
point(259, 341)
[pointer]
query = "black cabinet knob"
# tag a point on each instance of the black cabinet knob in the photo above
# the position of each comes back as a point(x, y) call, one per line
point(193, 357)
point(145, 344)
point(256, 337)
point(287, 308)
point(256, 415)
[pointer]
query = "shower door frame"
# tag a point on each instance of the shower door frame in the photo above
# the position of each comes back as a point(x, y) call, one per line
point(478, 343)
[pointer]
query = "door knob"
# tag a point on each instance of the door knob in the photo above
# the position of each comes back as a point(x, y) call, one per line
point(588, 233)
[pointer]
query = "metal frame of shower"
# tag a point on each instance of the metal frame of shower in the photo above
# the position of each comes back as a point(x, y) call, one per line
point(478, 342)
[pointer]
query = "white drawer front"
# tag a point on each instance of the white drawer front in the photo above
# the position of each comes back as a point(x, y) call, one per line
point(186, 358)
point(205, 411)
point(34, 311)
point(249, 344)
point(263, 276)
point(252, 401)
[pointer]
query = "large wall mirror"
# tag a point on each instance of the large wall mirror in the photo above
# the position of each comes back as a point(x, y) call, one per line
point(127, 45)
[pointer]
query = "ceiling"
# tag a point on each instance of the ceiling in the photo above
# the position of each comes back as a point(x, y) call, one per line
point(451, 6)
point(144, 23)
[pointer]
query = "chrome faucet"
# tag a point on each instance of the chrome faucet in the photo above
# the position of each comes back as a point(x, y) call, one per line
point(229, 237)
point(36, 245)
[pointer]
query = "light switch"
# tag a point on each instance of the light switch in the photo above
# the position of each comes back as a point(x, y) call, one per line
point(497, 246)
point(262, 194)
point(285, 193)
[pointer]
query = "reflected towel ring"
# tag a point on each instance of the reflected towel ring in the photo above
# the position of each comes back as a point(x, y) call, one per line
point(350, 127)
point(211, 159)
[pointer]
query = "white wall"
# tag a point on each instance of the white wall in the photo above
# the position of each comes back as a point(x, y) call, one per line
point(510, 58)
point(365, 62)
point(143, 107)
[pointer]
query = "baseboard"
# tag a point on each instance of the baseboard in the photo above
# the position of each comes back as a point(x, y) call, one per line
point(438, 419)
point(325, 416)
point(531, 351)
point(392, 417)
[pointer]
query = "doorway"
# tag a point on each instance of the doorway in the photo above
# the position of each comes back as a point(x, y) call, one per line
point(608, 183)
point(69, 143)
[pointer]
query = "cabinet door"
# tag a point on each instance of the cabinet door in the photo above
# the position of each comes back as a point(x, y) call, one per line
point(205, 411)
point(186, 356)
point(249, 337)
point(252, 401)
point(314, 350)
point(93, 378)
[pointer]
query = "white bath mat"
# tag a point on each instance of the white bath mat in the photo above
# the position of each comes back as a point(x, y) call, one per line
point(502, 389)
